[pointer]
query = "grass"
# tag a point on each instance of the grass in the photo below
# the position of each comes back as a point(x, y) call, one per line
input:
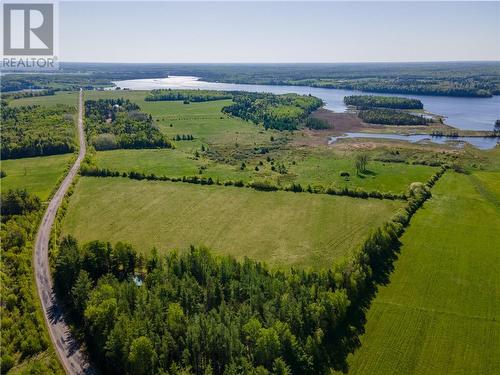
point(440, 313)
point(38, 175)
point(232, 141)
point(304, 167)
point(280, 228)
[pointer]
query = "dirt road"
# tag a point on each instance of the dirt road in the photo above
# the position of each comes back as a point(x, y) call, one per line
point(68, 350)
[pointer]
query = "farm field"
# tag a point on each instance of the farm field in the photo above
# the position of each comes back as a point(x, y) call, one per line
point(37, 175)
point(313, 167)
point(440, 313)
point(281, 228)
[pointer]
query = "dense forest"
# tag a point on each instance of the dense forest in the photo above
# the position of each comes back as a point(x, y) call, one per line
point(282, 112)
point(200, 313)
point(119, 123)
point(371, 101)
point(22, 334)
point(391, 117)
point(187, 95)
point(36, 131)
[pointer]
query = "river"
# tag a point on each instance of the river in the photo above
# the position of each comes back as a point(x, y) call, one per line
point(462, 113)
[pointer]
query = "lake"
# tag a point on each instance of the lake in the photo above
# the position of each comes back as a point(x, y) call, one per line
point(483, 143)
point(462, 113)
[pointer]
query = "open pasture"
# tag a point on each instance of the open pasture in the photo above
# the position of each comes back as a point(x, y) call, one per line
point(281, 228)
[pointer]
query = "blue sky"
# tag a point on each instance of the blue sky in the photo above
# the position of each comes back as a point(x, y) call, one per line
point(279, 32)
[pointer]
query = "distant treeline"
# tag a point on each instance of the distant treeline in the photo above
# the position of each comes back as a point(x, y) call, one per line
point(187, 95)
point(36, 131)
point(23, 334)
point(28, 94)
point(444, 87)
point(199, 313)
point(119, 123)
point(371, 101)
point(391, 117)
point(282, 112)
point(475, 79)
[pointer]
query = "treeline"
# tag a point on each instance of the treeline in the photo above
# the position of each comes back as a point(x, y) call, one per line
point(119, 123)
point(28, 94)
point(183, 137)
point(391, 117)
point(36, 131)
point(411, 86)
point(262, 185)
point(23, 335)
point(187, 95)
point(371, 101)
point(196, 313)
point(317, 124)
point(282, 112)
point(470, 79)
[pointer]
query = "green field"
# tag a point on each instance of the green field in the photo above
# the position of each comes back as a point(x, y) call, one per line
point(314, 167)
point(37, 175)
point(440, 314)
point(280, 228)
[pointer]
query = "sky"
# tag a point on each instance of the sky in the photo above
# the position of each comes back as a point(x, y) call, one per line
point(278, 32)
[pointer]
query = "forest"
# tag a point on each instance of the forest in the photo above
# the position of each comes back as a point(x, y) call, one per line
point(372, 101)
point(36, 131)
point(391, 117)
point(22, 334)
point(119, 123)
point(187, 95)
point(281, 112)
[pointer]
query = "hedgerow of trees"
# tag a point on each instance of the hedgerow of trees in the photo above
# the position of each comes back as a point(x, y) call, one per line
point(22, 335)
point(372, 101)
point(36, 131)
point(282, 112)
point(119, 123)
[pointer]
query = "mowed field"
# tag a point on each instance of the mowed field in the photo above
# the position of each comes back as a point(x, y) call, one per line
point(280, 228)
point(37, 175)
point(440, 314)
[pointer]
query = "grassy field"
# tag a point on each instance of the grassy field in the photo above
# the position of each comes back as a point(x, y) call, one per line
point(311, 167)
point(37, 175)
point(232, 141)
point(279, 228)
point(441, 312)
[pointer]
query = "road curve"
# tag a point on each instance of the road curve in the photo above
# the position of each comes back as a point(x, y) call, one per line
point(67, 348)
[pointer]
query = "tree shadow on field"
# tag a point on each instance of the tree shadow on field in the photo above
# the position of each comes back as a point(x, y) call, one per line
point(350, 331)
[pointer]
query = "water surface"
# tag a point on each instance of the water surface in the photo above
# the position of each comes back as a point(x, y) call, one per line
point(483, 143)
point(462, 113)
